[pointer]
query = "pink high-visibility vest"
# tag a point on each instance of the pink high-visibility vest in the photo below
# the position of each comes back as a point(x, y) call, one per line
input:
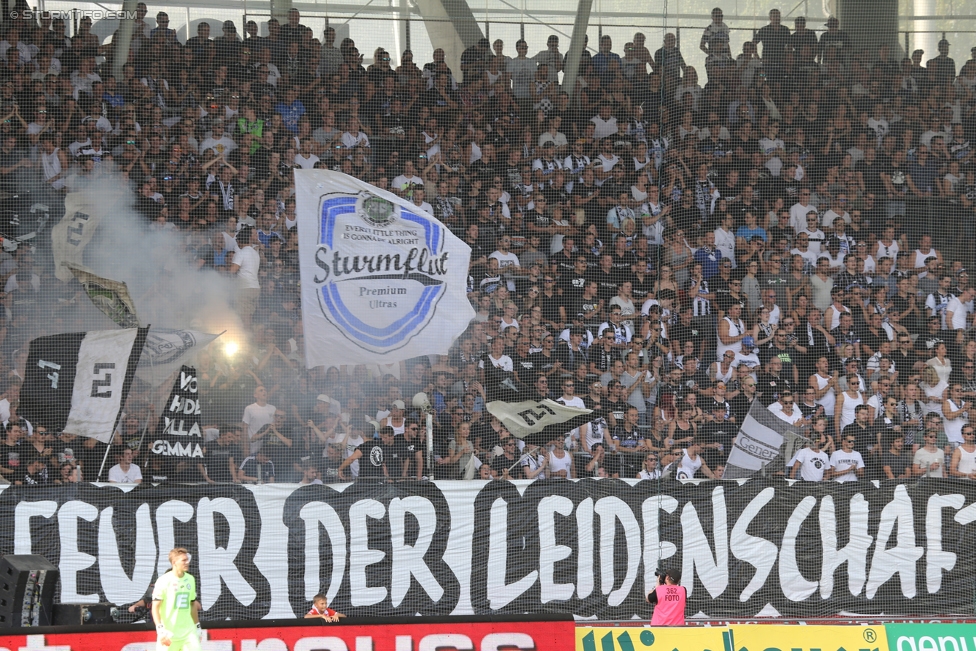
point(670, 607)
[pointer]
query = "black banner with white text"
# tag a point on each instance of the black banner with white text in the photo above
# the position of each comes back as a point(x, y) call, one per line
point(587, 547)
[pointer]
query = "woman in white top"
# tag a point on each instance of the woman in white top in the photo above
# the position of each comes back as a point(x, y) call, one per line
point(963, 462)
point(846, 403)
point(933, 391)
point(560, 461)
point(651, 469)
point(955, 414)
point(460, 451)
point(941, 362)
point(509, 312)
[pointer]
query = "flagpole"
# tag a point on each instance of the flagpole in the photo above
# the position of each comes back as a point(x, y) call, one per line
point(146, 426)
point(105, 458)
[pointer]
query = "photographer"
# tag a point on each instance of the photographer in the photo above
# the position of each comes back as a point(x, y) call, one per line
point(668, 599)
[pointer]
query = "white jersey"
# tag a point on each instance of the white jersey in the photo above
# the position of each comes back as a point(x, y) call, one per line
point(812, 464)
point(841, 461)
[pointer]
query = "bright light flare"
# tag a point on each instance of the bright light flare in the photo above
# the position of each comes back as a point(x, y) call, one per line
point(231, 348)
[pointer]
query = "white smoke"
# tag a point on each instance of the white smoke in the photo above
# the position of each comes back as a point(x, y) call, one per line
point(163, 275)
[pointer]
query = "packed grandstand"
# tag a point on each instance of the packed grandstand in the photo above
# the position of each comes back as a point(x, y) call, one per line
point(789, 226)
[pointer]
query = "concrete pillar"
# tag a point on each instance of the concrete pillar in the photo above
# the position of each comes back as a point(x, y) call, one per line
point(279, 10)
point(576, 45)
point(124, 40)
point(452, 27)
point(926, 41)
point(871, 22)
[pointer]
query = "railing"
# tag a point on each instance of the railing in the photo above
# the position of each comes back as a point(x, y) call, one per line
point(397, 25)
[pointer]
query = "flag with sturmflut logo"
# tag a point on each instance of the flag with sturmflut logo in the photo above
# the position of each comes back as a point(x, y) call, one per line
point(382, 280)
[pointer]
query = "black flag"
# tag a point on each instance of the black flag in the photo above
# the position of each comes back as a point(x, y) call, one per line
point(179, 433)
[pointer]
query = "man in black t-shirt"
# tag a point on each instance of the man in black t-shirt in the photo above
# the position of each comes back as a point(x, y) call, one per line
point(375, 454)
point(33, 472)
point(12, 160)
point(408, 453)
point(502, 465)
point(220, 459)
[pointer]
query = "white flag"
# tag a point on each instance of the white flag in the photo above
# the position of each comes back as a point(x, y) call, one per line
point(538, 420)
point(167, 350)
point(382, 281)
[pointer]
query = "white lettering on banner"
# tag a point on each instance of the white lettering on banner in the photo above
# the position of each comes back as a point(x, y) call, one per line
point(794, 586)
point(854, 553)
point(73, 560)
point(501, 594)
point(118, 587)
point(549, 552)
point(316, 516)
point(584, 556)
point(360, 554)
point(23, 513)
point(758, 552)
point(187, 380)
point(613, 510)
point(901, 558)
point(713, 571)
point(552, 551)
point(217, 563)
point(408, 560)
point(937, 559)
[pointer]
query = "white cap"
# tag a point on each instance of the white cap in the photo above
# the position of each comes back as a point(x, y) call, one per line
point(398, 404)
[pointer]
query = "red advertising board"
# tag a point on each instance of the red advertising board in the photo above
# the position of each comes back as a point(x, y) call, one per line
point(462, 636)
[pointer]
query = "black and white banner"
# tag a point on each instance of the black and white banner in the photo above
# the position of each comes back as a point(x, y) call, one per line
point(179, 433)
point(78, 382)
point(588, 547)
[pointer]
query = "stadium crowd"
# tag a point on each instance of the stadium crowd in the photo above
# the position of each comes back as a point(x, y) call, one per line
point(665, 246)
